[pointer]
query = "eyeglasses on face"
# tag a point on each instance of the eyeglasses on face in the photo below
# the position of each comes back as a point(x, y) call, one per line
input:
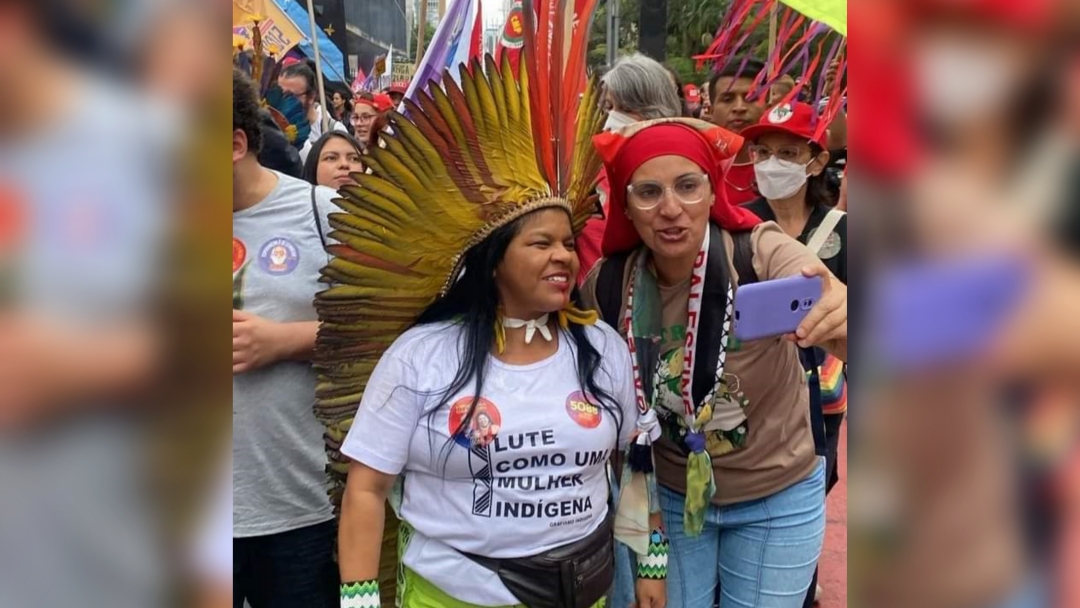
point(760, 153)
point(689, 189)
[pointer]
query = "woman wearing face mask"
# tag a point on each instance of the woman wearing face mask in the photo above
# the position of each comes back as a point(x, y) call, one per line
point(789, 164)
point(636, 88)
point(741, 488)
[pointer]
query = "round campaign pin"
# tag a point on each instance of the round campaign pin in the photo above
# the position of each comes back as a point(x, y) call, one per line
point(239, 254)
point(279, 256)
point(582, 411)
point(831, 247)
point(481, 428)
point(14, 218)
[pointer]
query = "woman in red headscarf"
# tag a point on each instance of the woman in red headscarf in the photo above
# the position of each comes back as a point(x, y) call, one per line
point(368, 112)
point(741, 488)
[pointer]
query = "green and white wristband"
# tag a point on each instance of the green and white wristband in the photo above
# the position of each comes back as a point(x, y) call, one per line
point(361, 594)
point(654, 565)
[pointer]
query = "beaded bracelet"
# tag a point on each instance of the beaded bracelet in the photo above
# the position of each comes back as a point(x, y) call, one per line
point(654, 565)
point(360, 594)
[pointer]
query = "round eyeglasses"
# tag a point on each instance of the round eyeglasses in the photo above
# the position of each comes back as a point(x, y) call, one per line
point(760, 153)
point(690, 189)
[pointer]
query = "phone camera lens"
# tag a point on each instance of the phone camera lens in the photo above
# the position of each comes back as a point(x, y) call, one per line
point(794, 305)
point(736, 315)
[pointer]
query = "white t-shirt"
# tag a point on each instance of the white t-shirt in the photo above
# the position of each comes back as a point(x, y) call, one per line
point(317, 131)
point(528, 475)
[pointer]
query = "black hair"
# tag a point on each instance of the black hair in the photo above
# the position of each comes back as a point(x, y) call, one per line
point(301, 70)
point(473, 302)
point(311, 166)
point(735, 69)
point(340, 89)
point(817, 186)
point(245, 114)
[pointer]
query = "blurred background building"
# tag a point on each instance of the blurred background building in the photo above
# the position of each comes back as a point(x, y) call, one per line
point(365, 30)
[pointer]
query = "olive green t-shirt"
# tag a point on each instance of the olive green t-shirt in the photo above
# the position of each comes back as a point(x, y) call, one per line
point(760, 438)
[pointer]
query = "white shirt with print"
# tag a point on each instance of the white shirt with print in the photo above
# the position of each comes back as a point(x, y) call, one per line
point(527, 475)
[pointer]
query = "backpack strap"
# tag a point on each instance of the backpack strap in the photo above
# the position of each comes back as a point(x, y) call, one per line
point(832, 218)
point(315, 215)
point(744, 258)
point(609, 286)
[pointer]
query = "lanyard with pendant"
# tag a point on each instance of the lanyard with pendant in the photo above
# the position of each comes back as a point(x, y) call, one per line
point(693, 319)
point(700, 486)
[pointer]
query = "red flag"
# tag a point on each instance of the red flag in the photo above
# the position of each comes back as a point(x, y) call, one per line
point(476, 44)
point(358, 82)
point(513, 37)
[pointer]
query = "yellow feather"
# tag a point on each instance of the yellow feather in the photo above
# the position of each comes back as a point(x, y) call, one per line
point(442, 102)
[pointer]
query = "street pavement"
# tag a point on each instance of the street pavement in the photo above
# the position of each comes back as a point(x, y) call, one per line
point(833, 564)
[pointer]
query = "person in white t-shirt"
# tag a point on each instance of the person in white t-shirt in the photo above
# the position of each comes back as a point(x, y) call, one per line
point(489, 405)
point(502, 440)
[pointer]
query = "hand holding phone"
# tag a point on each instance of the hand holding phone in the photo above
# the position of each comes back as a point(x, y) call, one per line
point(774, 308)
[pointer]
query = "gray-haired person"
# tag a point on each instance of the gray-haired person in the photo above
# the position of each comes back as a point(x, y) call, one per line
point(636, 88)
point(639, 88)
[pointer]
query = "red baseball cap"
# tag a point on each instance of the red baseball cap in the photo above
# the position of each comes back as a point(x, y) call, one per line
point(380, 101)
point(383, 102)
point(692, 94)
point(798, 119)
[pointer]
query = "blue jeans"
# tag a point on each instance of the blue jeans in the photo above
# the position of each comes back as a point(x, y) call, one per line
point(761, 553)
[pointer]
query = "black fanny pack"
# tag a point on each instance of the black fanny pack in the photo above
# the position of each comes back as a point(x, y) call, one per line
point(576, 575)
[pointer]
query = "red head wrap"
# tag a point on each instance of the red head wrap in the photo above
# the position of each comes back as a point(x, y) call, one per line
point(623, 154)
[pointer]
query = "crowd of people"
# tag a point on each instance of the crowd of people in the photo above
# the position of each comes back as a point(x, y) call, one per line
point(528, 371)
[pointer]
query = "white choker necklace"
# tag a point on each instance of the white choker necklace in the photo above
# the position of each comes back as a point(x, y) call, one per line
point(531, 327)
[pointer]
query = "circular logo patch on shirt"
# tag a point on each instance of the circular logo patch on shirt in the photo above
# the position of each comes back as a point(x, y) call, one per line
point(279, 256)
point(581, 411)
point(239, 254)
point(482, 426)
point(781, 114)
point(830, 247)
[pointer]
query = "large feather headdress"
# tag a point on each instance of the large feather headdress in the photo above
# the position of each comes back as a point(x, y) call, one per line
point(461, 162)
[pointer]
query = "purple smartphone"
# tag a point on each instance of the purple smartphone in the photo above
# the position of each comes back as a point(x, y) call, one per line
point(930, 313)
point(774, 308)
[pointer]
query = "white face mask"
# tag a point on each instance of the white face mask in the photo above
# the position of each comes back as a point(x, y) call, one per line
point(959, 81)
point(778, 179)
point(617, 120)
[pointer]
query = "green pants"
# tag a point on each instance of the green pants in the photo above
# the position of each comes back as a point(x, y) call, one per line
point(419, 593)
point(388, 560)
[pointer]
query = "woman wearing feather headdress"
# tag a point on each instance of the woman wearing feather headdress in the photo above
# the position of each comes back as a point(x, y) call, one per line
point(501, 403)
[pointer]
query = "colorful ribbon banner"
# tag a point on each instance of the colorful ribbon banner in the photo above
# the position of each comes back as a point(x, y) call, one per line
point(832, 13)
